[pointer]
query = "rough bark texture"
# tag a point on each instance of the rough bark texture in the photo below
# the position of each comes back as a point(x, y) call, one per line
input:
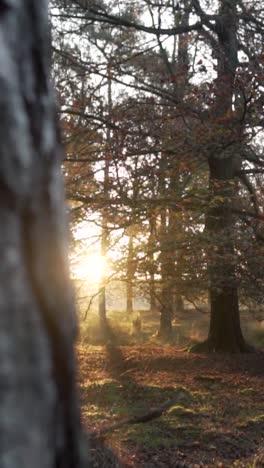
point(225, 332)
point(224, 163)
point(39, 416)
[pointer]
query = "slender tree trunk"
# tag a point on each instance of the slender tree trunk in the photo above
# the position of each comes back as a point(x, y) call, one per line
point(151, 243)
point(166, 296)
point(40, 421)
point(183, 67)
point(175, 228)
point(102, 291)
point(166, 309)
point(131, 257)
point(180, 64)
point(105, 230)
point(182, 60)
point(130, 275)
point(152, 293)
point(179, 305)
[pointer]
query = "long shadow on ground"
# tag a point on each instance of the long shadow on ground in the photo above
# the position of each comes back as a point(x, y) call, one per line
point(224, 421)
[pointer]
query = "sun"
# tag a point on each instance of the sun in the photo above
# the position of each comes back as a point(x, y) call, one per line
point(90, 268)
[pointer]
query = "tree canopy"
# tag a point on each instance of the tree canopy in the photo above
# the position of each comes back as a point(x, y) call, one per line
point(162, 109)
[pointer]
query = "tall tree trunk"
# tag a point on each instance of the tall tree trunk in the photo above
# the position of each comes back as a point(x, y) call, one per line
point(102, 286)
point(131, 258)
point(178, 303)
point(183, 67)
point(40, 422)
point(166, 296)
point(175, 231)
point(105, 230)
point(224, 162)
point(180, 65)
point(151, 244)
point(225, 332)
point(130, 275)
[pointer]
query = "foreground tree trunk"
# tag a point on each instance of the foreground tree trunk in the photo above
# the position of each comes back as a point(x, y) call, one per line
point(40, 423)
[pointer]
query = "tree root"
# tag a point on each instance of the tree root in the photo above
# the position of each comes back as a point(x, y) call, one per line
point(208, 346)
point(203, 347)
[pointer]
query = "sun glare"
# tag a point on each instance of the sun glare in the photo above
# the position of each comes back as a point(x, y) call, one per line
point(90, 268)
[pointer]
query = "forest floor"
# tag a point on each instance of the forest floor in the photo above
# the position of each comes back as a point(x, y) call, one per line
point(219, 423)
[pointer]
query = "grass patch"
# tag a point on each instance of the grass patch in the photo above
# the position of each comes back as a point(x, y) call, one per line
point(220, 418)
point(166, 432)
point(150, 436)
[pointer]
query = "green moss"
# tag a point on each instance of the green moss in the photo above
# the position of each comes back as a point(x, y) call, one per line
point(150, 436)
point(181, 412)
point(248, 391)
point(259, 418)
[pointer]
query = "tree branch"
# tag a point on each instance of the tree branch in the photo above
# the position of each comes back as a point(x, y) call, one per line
point(144, 418)
point(94, 14)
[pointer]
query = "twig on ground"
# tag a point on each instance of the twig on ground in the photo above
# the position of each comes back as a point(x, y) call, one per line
point(144, 418)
